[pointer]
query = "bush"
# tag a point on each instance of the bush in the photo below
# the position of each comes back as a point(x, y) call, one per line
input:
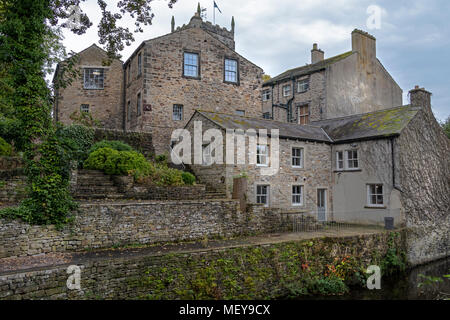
point(188, 178)
point(327, 286)
point(76, 140)
point(165, 176)
point(5, 148)
point(116, 162)
point(162, 158)
point(112, 144)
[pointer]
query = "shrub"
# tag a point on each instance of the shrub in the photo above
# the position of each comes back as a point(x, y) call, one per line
point(188, 178)
point(165, 176)
point(118, 162)
point(162, 158)
point(112, 144)
point(327, 286)
point(5, 148)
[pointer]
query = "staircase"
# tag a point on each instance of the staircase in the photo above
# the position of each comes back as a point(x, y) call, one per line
point(93, 184)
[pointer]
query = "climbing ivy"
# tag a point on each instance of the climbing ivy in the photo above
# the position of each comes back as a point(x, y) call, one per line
point(30, 43)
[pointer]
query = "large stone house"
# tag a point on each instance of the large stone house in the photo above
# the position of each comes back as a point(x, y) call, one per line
point(350, 83)
point(164, 81)
point(361, 168)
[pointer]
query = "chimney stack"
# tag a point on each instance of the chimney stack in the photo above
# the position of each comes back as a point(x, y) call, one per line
point(365, 44)
point(317, 55)
point(420, 97)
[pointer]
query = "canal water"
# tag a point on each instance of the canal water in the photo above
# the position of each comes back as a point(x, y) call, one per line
point(406, 286)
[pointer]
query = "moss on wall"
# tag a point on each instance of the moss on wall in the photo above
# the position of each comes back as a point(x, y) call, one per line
point(312, 267)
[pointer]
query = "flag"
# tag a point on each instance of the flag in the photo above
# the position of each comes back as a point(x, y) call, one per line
point(216, 6)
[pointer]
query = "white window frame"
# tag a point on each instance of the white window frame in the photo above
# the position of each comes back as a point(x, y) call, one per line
point(262, 155)
point(348, 159)
point(340, 162)
point(266, 94)
point(187, 63)
point(301, 157)
point(370, 194)
point(301, 195)
point(285, 92)
point(98, 80)
point(304, 84)
point(260, 195)
point(84, 107)
point(231, 70)
point(177, 112)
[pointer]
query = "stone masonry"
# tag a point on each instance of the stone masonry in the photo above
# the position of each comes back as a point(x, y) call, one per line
point(104, 104)
point(161, 83)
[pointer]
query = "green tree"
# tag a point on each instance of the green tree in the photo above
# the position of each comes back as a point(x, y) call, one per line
point(30, 42)
point(446, 126)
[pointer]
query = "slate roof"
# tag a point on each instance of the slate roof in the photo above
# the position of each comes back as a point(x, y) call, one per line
point(376, 124)
point(287, 130)
point(308, 69)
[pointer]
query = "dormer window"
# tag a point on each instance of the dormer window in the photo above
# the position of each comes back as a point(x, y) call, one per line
point(93, 78)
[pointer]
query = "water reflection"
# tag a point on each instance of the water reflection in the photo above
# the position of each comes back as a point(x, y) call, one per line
point(405, 287)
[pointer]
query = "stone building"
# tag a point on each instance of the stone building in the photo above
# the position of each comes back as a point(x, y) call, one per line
point(165, 80)
point(359, 168)
point(193, 67)
point(350, 83)
point(98, 90)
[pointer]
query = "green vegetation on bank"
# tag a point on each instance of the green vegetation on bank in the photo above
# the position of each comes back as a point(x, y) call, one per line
point(285, 270)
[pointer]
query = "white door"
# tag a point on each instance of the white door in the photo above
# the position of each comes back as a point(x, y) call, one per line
point(321, 204)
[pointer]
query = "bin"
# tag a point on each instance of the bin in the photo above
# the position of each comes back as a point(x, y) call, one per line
point(389, 223)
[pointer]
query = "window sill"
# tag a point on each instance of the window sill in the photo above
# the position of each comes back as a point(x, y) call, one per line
point(375, 207)
point(262, 165)
point(297, 168)
point(230, 82)
point(302, 91)
point(94, 88)
point(347, 170)
point(192, 78)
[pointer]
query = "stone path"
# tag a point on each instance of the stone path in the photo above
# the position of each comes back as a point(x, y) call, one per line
point(45, 261)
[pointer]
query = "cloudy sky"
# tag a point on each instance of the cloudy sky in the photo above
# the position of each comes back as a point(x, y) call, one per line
point(413, 37)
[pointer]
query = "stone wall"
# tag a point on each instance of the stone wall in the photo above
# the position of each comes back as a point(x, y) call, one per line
point(314, 97)
point(99, 225)
point(10, 163)
point(259, 272)
point(104, 104)
point(424, 167)
point(141, 141)
point(163, 84)
point(12, 188)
